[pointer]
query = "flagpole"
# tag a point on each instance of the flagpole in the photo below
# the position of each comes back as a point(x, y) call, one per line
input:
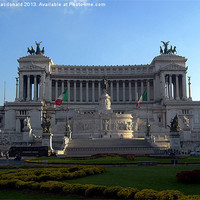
point(68, 128)
point(148, 124)
point(4, 92)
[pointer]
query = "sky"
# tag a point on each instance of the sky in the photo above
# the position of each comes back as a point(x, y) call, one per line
point(120, 32)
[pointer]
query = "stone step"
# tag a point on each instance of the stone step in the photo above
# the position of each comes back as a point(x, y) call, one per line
point(84, 151)
point(108, 143)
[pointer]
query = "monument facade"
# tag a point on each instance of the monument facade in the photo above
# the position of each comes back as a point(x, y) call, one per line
point(164, 79)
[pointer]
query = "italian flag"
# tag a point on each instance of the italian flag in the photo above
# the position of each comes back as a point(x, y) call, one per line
point(142, 98)
point(61, 98)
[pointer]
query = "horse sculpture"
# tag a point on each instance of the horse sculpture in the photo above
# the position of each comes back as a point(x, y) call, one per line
point(31, 51)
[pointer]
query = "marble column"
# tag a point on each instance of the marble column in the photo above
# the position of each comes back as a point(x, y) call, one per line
point(28, 87)
point(117, 91)
point(136, 91)
point(74, 91)
point(184, 86)
point(50, 89)
point(56, 88)
point(35, 87)
point(189, 87)
point(130, 90)
point(93, 92)
point(170, 86)
point(177, 88)
point(154, 90)
point(62, 85)
point(124, 90)
point(21, 87)
point(99, 88)
point(142, 87)
point(41, 84)
point(166, 87)
point(87, 92)
point(68, 90)
point(111, 90)
point(17, 85)
point(81, 90)
point(148, 90)
point(162, 81)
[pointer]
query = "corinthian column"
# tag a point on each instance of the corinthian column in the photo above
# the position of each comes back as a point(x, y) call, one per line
point(136, 91)
point(35, 88)
point(177, 88)
point(130, 93)
point(17, 84)
point(74, 91)
point(148, 90)
point(117, 91)
point(81, 91)
point(68, 90)
point(184, 86)
point(93, 92)
point(28, 88)
point(170, 86)
point(111, 90)
point(124, 98)
point(189, 87)
point(87, 99)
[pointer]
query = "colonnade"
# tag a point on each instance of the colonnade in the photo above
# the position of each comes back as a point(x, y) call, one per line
point(30, 87)
point(90, 90)
point(175, 86)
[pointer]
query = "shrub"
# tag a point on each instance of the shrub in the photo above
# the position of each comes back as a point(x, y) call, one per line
point(67, 189)
point(190, 197)
point(146, 194)
point(129, 156)
point(35, 186)
point(95, 191)
point(127, 193)
point(111, 192)
point(169, 195)
point(7, 184)
point(23, 185)
point(79, 189)
point(189, 176)
point(52, 186)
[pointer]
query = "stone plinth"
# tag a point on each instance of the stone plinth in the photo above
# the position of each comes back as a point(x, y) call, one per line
point(47, 139)
point(174, 139)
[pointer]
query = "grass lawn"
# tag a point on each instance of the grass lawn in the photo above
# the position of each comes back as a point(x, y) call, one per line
point(113, 160)
point(154, 177)
point(23, 196)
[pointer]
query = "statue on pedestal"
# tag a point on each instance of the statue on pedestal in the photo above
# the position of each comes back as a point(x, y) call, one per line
point(46, 124)
point(174, 124)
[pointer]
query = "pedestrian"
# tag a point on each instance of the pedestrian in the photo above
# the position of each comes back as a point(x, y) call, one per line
point(7, 155)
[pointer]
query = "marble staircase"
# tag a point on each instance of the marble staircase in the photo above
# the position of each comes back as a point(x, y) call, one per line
point(88, 147)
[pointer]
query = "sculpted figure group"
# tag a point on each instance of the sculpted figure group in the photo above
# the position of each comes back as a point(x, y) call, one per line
point(166, 50)
point(38, 50)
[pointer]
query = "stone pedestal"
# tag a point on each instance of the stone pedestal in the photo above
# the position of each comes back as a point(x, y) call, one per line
point(27, 137)
point(47, 139)
point(174, 140)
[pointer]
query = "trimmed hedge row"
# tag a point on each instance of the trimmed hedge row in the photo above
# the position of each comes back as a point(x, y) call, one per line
point(189, 177)
point(96, 191)
point(43, 180)
point(47, 174)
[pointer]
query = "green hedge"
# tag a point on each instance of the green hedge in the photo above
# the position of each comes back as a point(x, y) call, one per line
point(44, 183)
point(47, 174)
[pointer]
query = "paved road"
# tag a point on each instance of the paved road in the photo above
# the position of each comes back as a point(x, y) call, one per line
point(11, 162)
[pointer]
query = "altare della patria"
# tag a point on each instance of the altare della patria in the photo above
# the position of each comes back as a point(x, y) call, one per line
point(84, 110)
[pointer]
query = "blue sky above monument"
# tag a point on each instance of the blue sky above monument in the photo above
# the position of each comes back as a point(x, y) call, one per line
point(121, 32)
